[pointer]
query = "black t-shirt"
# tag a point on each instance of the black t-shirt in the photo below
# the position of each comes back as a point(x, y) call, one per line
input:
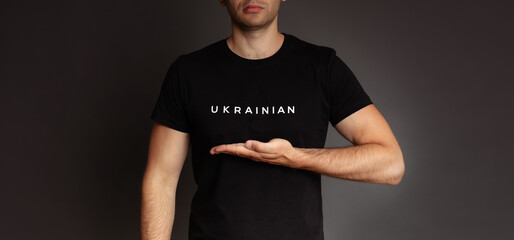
point(220, 98)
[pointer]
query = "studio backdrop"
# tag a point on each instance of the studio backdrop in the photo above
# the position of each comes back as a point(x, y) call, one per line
point(79, 80)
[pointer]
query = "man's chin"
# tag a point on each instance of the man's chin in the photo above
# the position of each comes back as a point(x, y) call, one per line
point(252, 25)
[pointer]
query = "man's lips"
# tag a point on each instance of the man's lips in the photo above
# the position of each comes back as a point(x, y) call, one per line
point(252, 8)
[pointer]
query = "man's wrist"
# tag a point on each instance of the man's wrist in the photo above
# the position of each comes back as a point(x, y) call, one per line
point(300, 158)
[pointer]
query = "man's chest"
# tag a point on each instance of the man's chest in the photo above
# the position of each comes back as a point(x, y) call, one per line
point(259, 103)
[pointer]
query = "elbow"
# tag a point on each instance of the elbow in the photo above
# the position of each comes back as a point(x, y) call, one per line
point(396, 170)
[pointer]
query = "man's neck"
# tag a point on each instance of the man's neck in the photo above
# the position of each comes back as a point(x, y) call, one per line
point(255, 44)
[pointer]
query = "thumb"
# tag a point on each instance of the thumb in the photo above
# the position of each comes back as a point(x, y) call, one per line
point(257, 146)
point(249, 144)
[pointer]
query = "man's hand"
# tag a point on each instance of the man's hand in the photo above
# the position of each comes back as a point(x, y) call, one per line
point(277, 151)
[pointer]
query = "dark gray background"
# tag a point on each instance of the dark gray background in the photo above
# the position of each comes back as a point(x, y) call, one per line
point(79, 80)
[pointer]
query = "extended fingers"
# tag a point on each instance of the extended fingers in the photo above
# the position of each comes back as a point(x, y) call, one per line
point(238, 149)
point(227, 148)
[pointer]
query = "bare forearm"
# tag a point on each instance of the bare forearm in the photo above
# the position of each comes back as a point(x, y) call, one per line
point(157, 209)
point(371, 162)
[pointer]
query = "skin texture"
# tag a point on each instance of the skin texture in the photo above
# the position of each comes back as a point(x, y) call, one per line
point(248, 22)
point(167, 152)
point(254, 35)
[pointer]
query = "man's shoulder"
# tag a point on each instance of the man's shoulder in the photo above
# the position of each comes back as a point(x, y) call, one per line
point(207, 52)
point(309, 45)
point(310, 49)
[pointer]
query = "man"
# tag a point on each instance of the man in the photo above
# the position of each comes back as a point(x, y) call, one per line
point(255, 108)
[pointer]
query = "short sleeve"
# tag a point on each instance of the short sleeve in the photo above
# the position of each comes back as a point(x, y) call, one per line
point(169, 109)
point(346, 93)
